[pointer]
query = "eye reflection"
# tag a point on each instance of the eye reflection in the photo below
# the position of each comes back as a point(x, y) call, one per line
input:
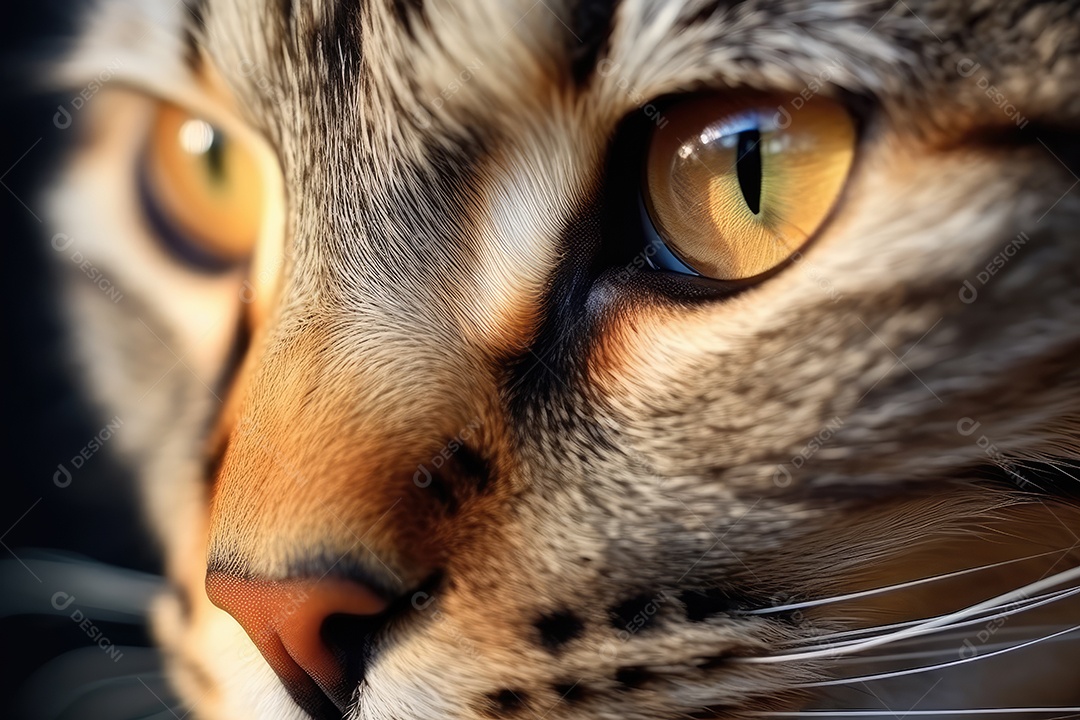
point(196, 136)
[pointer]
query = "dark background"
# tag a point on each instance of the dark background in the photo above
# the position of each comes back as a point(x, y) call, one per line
point(46, 418)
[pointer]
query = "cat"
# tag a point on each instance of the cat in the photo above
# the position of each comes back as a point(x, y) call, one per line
point(588, 359)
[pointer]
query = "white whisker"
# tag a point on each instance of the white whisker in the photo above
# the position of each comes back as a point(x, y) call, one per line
point(1056, 464)
point(939, 666)
point(1025, 631)
point(1020, 594)
point(898, 586)
point(913, 713)
point(1019, 607)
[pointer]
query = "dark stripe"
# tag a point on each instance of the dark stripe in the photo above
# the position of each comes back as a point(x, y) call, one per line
point(590, 28)
point(194, 29)
point(338, 45)
point(709, 11)
point(286, 15)
point(409, 12)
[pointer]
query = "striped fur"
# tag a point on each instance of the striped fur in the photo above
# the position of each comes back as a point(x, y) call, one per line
point(447, 271)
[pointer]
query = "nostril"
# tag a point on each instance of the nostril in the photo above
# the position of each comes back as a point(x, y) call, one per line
point(315, 634)
point(351, 640)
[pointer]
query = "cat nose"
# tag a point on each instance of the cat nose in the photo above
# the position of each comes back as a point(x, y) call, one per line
point(313, 633)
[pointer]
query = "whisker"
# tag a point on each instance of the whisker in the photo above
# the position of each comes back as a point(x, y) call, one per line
point(1021, 606)
point(939, 666)
point(898, 586)
point(1022, 594)
point(1025, 631)
point(915, 713)
point(1056, 464)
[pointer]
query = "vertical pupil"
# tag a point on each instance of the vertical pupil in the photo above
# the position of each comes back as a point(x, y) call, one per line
point(214, 157)
point(748, 168)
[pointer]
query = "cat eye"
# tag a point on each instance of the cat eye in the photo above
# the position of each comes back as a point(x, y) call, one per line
point(735, 185)
point(202, 190)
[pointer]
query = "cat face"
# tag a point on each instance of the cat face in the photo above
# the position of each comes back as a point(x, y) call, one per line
point(494, 407)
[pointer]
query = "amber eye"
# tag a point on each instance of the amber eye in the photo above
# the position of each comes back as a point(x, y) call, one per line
point(202, 190)
point(734, 185)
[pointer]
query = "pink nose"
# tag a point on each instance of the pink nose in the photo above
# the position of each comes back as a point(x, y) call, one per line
point(285, 620)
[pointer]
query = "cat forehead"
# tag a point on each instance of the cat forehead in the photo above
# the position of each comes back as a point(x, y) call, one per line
point(402, 76)
point(411, 69)
point(427, 60)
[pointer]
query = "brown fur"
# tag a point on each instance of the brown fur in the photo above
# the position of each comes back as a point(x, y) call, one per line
point(625, 442)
